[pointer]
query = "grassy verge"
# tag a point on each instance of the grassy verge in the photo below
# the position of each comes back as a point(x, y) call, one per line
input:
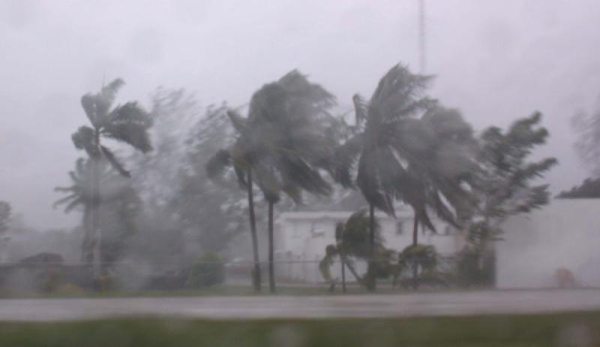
point(573, 329)
point(225, 290)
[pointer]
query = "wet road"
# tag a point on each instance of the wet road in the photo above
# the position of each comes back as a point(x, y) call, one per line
point(402, 305)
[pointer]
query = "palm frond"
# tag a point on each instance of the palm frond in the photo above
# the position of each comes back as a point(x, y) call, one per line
point(397, 90)
point(268, 181)
point(109, 93)
point(360, 110)
point(74, 204)
point(97, 106)
point(218, 164)
point(84, 139)
point(63, 200)
point(114, 162)
point(369, 182)
point(344, 160)
point(129, 123)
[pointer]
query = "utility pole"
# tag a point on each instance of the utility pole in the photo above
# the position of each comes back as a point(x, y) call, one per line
point(422, 58)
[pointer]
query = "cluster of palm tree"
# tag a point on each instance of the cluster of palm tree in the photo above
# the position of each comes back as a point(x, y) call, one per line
point(404, 147)
point(282, 146)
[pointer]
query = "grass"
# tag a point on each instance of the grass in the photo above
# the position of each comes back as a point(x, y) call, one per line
point(222, 290)
point(210, 291)
point(573, 329)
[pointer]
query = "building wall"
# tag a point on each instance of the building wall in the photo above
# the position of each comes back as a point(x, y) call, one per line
point(563, 234)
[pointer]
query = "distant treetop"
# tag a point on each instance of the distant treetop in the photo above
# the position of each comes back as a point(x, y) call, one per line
point(589, 189)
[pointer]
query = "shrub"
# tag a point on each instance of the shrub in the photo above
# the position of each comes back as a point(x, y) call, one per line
point(475, 269)
point(209, 270)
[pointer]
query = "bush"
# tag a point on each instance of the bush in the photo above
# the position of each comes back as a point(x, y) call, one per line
point(209, 270)
point(475, 269)
point(424, 257)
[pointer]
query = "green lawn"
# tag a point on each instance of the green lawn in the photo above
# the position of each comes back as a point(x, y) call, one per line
point(573, 329)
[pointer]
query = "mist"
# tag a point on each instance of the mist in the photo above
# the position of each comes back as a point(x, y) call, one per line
point(495, 61)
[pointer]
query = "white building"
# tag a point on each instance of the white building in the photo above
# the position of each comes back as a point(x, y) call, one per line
point(564, 234)
point(302, 237)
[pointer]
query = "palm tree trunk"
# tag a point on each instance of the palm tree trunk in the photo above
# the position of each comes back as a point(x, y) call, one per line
point(96, 237)
point(343, 274)
point(256, 278)
point(371, 281)
point(415, 231)
point(415, 267)
point(87, 247)
point(271, 251)
point(353, 271)
point(372, 228)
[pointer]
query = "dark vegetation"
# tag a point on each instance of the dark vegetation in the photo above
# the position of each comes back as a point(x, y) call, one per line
point(589, 189)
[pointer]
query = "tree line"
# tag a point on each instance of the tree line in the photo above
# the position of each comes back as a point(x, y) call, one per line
point(402, 147)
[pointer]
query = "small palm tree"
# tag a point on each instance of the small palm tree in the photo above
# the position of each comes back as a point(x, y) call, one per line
point(353, 243)
point(128, 123)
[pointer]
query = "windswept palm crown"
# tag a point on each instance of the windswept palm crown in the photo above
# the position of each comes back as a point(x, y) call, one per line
point(283, 140)
point(80, 193)
point(408, 148)
point(127, 123)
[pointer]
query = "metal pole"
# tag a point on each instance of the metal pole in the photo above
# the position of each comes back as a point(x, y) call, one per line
point(422, 58)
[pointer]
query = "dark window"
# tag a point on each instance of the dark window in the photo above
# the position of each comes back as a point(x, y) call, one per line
point(400, 228)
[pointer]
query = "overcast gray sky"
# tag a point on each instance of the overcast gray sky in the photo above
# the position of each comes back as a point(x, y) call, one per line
point(495, 60)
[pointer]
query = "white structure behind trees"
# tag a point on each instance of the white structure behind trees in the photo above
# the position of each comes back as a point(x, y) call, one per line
point(301, 239)
point(562, 235)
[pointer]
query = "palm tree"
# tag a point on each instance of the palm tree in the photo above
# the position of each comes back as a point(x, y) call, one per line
point(128, 123)
point(378, 148)
point(289, 117)
point(240, 157)
point(404, 155)
point(352, 241)
point(282, 145)
point(292, 113)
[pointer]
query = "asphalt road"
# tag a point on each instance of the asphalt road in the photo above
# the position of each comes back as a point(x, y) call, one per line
point(365, 306)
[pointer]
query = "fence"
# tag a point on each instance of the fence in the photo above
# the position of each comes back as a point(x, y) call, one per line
point(137, 276)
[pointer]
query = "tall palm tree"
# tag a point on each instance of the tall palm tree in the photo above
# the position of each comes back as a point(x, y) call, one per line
point(128, 123)
point(378, 149)
point(290, 117)
point(240, 157)
point(403, 150)
point(283, 145)
point(293, 114)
